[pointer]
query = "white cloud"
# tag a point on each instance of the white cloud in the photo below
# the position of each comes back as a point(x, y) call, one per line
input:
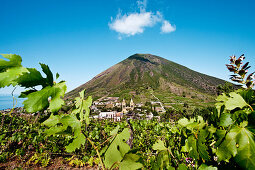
point(167, 27)
point(136, 22)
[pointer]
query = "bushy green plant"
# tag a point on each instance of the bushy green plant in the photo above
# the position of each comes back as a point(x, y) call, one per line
point(225, 138)
point(228, 138)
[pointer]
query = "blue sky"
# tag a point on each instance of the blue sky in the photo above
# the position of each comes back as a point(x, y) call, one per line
point(81, 38)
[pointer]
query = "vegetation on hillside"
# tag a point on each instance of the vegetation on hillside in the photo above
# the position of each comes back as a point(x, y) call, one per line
point(223, 139)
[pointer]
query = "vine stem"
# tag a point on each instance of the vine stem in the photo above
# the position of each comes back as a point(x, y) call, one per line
point(251, 108)
point(14, 99)
point(98, 154)
point(169, 151)
point(107, 139)
point(114, 164)
point(14, 105)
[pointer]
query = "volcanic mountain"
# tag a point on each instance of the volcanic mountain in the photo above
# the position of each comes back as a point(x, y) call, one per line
point(141, 72)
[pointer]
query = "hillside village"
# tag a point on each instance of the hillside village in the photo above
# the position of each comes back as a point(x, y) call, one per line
point(113, 108)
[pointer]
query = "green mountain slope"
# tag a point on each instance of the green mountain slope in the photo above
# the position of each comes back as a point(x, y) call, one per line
point(140, 72)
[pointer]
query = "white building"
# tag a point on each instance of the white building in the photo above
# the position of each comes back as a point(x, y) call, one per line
point(107, 115)
point(116, 116)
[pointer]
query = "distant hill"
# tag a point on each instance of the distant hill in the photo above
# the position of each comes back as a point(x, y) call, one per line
point(133, 76)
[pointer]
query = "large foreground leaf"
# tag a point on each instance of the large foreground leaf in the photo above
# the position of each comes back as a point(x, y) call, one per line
point(40, 100)
point(234, 100)
point(82, 105)
point(206, 167)
point(118, 148)
point(130, 162)
point(202, 147)
point(227, 148)
point(225, 120)
point(49, 75)
point(246, 149)
point(14, 61)
point(10, 70)
point(34, 78)
point(57, 93)
point(191, 147)
point(31, 78)
point(77, 142)
point(239, 143)
point(159, 145)
point(196, 146)
point(59, 123)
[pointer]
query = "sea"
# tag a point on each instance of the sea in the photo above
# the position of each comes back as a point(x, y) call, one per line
point(6, 101)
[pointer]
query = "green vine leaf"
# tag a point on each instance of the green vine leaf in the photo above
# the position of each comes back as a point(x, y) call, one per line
point(159, 145)
point(115, 130)
point(234, 101)
point(34, 78)
point(10, 70)
point(77, 142)
point(221, 101)
point(62, 122)
point(48, 73)
point(206, 167)
point(52, 120)
point(246, 149)
point(202, 147)
point(196, 146)
point(39, 100)
point(130, 162)
point(14, 61)
point(182, 167)
point(117, 149)
point(239, 143)
point(83, 105)
point(220, 135)
point(162, 161)
point(184, 122)
point(191, 147)
point(57, 95)
point(58, 124)
point(192, 123)
point(227, 149)
point(225, 120)
point(192, 143)
point(31, 78)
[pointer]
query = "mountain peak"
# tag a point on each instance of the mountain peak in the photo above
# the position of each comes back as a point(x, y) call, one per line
point(144, 58)
point(148, 71)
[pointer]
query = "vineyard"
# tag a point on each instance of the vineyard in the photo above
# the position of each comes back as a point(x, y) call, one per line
point(51, 137)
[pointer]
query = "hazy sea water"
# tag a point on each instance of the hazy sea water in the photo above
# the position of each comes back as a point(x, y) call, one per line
point(6, 101)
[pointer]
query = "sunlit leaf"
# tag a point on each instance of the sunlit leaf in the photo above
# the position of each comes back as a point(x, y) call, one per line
point(39, 100)
point(10, 70)
point(225, 120)
point(130, 162)
point(235, 100)
point(117, 149)
point(159, 145)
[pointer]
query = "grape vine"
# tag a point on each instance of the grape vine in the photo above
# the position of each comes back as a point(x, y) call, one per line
point(226, 139)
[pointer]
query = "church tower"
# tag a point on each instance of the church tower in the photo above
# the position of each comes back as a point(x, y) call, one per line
point(123, 105)
point(132, 105)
